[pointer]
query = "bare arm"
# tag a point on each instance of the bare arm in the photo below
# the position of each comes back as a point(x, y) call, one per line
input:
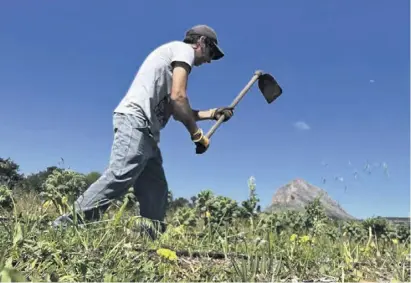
point(181, 107)
point(200, 115)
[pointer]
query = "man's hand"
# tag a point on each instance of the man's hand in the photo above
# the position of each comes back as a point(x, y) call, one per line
point(201, 141)
point(226, 111)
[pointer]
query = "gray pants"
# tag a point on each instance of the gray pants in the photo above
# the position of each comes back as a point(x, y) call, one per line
point(136, 162)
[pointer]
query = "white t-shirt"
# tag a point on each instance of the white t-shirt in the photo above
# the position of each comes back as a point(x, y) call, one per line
point(149, 93)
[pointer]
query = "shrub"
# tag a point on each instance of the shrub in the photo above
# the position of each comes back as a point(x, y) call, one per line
point(354, 230)
point(380, 227)
point(63, 187)
point(5, 197)
point(185, 216)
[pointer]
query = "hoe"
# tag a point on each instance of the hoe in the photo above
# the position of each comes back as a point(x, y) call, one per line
point(268, 86)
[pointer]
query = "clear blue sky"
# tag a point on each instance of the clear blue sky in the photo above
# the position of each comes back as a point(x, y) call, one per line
point(343, 65)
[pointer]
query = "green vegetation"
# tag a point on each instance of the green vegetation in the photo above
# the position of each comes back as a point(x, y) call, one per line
point(209, 238)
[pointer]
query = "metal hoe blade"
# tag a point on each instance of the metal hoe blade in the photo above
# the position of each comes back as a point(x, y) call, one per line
point(268, 86)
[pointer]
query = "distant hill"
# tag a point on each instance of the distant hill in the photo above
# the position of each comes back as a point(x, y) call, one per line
point(296, 194)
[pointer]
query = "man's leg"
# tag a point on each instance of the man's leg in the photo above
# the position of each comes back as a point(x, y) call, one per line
point(151, 191)
point(132, 148)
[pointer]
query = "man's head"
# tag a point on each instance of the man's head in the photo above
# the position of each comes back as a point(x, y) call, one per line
point(204, 41)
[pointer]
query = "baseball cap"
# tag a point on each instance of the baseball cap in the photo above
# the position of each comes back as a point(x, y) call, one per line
point(204, 30)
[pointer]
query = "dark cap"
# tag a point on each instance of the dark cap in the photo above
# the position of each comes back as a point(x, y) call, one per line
point(204, 30)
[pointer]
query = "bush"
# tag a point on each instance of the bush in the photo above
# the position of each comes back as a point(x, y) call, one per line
point(185, 216)
point(5, 197)
point(380, 227)
point(403, 233)
point(354, 230)
point(63, 187)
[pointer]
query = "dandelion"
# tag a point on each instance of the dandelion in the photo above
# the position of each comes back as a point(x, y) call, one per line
point(168, 254)
point(395, 241)
point(304, 239)
point(365, 250)
point(179, 229)
point(293, 237)
point(47, 203)
point(208, 214)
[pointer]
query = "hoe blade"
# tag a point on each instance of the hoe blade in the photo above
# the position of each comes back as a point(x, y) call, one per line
point(269, 87)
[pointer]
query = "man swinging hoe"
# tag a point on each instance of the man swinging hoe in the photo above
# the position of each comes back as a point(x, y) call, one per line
point(157, 92)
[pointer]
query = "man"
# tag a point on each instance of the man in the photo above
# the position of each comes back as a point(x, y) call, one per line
point(157, 92)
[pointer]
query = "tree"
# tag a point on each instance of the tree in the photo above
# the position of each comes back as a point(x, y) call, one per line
point(193, 201)
point(179, 203)
point(92, 177)
point(9, 173)
point(35, 181)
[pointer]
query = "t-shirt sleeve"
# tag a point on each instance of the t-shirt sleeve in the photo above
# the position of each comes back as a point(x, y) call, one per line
point(183, 53)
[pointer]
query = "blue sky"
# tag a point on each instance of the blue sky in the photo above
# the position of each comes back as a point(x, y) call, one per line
point(343, 66)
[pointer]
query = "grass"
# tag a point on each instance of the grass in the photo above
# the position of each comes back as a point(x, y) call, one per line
point(241, 251)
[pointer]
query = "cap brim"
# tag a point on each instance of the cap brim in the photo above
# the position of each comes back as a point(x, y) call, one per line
point(218, 52)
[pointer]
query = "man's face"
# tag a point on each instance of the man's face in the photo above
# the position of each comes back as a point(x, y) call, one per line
point(203, 52)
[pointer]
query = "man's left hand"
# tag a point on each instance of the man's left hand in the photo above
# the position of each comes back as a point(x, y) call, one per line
point(226, 111)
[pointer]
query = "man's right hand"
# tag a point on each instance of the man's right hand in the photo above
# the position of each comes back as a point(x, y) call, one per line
point(201, 141)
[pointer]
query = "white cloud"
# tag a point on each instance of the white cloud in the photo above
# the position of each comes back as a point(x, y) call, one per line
point(372, 81)
point(301, 125)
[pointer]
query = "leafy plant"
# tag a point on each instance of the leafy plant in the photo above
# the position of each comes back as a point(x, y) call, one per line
point(403, 233)
point(63, 187)
point(185, 216)
point(316, 216)
point(250, 207)
point(380, 227)
point(354, 231)
point(5, 197)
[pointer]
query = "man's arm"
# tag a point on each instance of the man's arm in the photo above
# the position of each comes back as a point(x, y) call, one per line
point(181, 107)
point(200, 115)
point(214, 113)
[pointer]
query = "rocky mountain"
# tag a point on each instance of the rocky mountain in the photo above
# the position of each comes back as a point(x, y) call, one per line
point(296, 194)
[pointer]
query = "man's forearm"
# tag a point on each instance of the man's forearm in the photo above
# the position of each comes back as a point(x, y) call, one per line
point(182, 112)
point(200, 115)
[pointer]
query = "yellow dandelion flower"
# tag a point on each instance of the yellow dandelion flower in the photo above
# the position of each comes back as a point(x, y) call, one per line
point(168, 254)
point(208, 214)
point(64, 200)
point(179, 229)
point(46, 204)
point(304, 239)
point(395, 241)
point(293, 237)
point(365, 250)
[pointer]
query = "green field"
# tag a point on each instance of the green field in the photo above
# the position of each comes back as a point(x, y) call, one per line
point(212, 238)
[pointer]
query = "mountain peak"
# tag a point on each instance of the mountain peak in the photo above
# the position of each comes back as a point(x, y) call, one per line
point(298, 193)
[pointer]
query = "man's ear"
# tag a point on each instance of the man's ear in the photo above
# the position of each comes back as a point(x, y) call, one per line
point(202, 40)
